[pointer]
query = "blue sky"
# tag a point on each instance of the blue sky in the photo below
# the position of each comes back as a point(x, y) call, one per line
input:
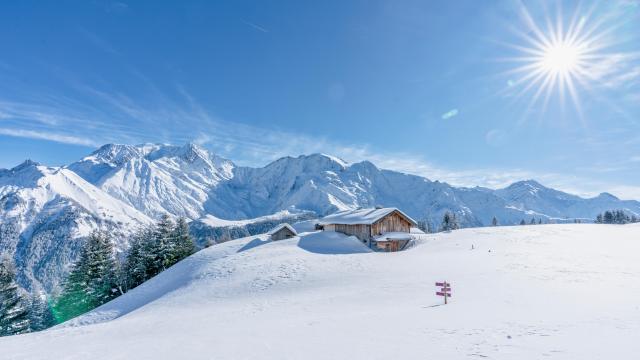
point(432, 88)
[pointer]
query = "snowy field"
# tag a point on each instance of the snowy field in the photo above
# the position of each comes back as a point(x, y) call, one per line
point(524, 292)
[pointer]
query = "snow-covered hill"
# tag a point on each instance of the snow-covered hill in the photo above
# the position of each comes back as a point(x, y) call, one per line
point(526, 292)
point(43, 213)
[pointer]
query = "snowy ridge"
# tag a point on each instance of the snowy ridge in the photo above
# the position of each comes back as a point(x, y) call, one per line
point(213, 221)
point(520, 293)
point(156, 179)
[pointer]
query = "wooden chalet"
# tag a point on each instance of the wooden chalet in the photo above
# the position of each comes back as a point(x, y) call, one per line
point(386, 229)
point(282, 231)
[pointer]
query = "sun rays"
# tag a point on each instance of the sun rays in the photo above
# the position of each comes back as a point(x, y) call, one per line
point(560, 57)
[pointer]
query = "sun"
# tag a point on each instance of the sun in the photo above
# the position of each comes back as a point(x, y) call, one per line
point(562, 58)
point(557, 57)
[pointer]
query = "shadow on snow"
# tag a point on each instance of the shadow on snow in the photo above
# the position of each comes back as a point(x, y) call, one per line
point(325, 242)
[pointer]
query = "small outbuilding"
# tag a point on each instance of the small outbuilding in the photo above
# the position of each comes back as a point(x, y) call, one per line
point(282, 231)
point(386, 229)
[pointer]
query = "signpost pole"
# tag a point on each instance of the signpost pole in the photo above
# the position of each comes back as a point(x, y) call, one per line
point(445, 293)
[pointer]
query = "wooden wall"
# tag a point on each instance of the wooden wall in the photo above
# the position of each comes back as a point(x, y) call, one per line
point(391, 245)
point(360, 231)
point(393, 222)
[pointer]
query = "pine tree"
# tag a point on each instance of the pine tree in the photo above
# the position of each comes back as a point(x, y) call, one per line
point(102, 269)
point(522, 222)
point(599, 219)
point(14, 313)
point(41, 316)
point(446, 222)
point(164, 244)
point(184, 245)
point(494, 222)
point(540, 221)
point(135, 269)
point(91, 283)
point(533, 221)
point(449, 221)
point(455, 225)
point(608, 217)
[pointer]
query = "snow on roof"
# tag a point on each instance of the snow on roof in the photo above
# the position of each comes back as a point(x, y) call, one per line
point(361, 216)
point(282, 226)
point(394, 236)
point(415, 230)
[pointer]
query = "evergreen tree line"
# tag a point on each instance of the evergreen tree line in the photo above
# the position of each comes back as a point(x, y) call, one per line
point(533, 221)
point(449, 222)
point(616, 217)
point(20, 314)
point(96, 277)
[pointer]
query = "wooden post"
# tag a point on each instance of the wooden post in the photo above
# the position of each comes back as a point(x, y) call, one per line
point(445, 293)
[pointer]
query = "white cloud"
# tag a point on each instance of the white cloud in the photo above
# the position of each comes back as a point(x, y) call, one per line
point(44, 135)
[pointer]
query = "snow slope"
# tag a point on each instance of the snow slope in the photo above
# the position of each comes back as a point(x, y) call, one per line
point(526, 292)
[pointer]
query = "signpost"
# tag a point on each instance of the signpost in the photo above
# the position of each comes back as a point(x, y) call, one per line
point(445, 290)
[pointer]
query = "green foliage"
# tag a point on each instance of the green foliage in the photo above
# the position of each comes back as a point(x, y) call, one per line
point(14, 311)
point(92, 282)
point(41, 314)
point(155, 249)
point(96, 277)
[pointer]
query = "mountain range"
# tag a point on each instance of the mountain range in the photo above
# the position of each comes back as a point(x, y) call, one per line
point(46, 211)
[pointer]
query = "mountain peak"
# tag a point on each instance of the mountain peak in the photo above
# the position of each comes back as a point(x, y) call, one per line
point(116, 154)
point(191, 152)
point(25, 164)
point(607, 196)
point(528, 183)
point(324, 158)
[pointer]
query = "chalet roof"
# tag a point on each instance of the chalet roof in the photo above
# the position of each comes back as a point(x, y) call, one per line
point(282, 226)
point(361, 216)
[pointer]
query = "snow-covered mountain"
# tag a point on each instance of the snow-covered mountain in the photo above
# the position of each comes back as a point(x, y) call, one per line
point(156, 179)
point(531, 196)
point(45, 211)
point(325, 184)
point(189, 181)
